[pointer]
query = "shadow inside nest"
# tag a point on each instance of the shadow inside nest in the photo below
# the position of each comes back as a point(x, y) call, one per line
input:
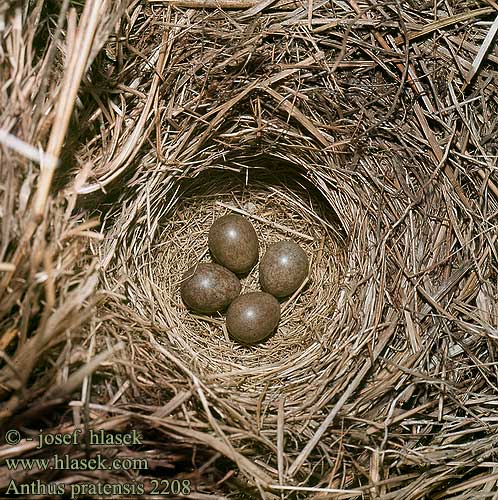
point(264, 170)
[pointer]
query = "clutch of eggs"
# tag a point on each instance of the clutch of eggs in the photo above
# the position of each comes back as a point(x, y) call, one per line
point(209, 287)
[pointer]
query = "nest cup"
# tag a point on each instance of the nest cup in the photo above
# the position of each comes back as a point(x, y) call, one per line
point(281, 204)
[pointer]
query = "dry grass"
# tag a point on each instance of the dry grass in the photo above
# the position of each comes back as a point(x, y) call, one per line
point(366, 131)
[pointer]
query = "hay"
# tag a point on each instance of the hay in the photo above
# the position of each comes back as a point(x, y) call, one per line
point(365, 131)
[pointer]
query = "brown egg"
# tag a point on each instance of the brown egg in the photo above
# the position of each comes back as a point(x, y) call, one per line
point(234, 243)
point(208, 288)
point(283, 268)
point(252, 317)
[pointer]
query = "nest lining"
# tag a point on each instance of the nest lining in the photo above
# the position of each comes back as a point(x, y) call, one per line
point(277, 211)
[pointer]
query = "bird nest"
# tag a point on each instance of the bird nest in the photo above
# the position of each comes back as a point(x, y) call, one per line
point(380, 380)
point(280, 207)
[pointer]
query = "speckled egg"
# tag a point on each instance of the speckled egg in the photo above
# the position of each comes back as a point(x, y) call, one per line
point(234, 243)
point(252, 317)
point(283, 268)
point(208, 288)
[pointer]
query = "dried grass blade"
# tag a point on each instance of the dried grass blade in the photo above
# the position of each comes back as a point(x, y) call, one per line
point(280, 440)
point(443, 23)
point(76, 379)
point(260, 6)
point(228, 4)
point(140, 132)
point(476, 63)
point(27, 150)
point(298, 115)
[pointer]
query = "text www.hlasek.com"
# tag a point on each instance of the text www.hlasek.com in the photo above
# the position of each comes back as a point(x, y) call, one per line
point(65, 462)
